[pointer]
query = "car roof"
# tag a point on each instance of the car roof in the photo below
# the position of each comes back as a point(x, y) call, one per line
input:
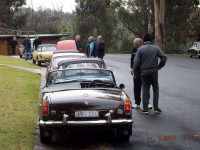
point(98, 61)
point(66, 45)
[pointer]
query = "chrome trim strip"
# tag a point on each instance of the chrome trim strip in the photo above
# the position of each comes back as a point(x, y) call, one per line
point(77, 123)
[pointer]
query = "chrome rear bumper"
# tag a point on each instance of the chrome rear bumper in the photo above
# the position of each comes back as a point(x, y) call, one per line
point(80, 123)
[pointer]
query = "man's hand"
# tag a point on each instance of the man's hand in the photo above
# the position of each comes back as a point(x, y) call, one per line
point(132, 72)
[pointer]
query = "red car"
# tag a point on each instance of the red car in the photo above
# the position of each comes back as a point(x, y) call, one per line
point(66, 45)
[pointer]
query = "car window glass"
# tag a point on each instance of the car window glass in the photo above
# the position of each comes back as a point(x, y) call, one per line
point(48, 48)
point(83, 65)
point(62, 76)
point(198, 44)
point(39, 49)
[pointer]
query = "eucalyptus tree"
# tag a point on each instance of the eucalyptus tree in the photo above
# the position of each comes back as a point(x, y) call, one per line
point(94, 17)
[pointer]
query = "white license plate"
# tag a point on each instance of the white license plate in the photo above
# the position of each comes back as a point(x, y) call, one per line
point(86, 114)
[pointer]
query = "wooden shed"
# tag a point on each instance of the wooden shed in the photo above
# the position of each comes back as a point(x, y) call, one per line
point(5, 40)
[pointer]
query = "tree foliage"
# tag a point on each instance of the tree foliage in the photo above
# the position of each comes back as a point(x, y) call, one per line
point(94, 17)
point(7, 10)
point(137, 16)
point(180, 22)
point(43, 20)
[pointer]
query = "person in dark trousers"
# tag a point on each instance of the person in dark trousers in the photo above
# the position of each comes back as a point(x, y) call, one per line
point(146, 61)
point(87, 47)
point(36, 42)
point(78, 43)
point(27, 48)
point(138, 42)
point(14, 45)
point(100, 47)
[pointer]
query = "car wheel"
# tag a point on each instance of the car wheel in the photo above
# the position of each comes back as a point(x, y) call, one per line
point(39, 63)
point(198, 56)
point(124, 133)
point(190, 54)
point(45, 135)
point(34, 61)
point(20, 56)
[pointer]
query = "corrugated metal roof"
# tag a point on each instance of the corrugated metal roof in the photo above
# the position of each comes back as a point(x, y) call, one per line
point(36, 35)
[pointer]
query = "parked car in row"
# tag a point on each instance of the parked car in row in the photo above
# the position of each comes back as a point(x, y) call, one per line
point(66, 45)
point(43, 53)
point(194, 50)
point(84, 97)
point(57, 57)
point(82, 63)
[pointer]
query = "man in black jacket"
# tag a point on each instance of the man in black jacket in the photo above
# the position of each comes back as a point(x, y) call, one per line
point(146, 61)
point(36, 42)
point(136, 75)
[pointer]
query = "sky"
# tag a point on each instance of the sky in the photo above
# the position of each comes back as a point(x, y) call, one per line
point(68, 5)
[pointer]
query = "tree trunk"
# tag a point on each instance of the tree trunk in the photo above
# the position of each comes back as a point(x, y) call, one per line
point(159, 7)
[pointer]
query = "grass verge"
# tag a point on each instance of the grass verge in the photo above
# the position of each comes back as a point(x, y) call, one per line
point(18, 108)
point(18, 62)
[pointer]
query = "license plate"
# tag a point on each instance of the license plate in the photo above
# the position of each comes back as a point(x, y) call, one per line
point(86, 114)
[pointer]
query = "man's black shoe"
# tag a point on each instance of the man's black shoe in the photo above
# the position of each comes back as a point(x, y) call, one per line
point(145, 111)
point(157, 110)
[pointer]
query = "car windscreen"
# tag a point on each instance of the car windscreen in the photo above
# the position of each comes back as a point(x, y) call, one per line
point(198, 44)
point(71, 75)
point(47, 48)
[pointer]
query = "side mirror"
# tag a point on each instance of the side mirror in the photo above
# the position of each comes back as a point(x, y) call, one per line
point(121, 86)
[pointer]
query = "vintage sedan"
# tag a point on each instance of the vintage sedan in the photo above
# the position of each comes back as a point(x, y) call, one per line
point(82, 63)
point(57, 57)
point(83, 98)
point(194, 50)
point(43, 53)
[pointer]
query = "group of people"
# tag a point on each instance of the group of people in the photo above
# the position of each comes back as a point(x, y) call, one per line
point(27, 45)
point(144, 68)
point(93, 48)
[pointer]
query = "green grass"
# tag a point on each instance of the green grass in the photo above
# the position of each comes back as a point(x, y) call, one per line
point(17, 62)
point(18, 108)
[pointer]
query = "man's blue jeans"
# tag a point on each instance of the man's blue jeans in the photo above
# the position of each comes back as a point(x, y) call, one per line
point(27, 53)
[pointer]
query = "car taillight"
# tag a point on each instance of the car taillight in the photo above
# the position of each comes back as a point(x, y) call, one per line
point(45, 107)
point(127, 106)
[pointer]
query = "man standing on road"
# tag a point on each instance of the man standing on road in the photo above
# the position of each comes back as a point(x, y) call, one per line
point(146, 61)
point(136, 75)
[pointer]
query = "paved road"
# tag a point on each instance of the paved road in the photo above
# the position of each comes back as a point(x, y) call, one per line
point(177, 128)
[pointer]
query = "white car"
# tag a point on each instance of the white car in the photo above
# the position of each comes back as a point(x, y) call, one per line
point(194, 50)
